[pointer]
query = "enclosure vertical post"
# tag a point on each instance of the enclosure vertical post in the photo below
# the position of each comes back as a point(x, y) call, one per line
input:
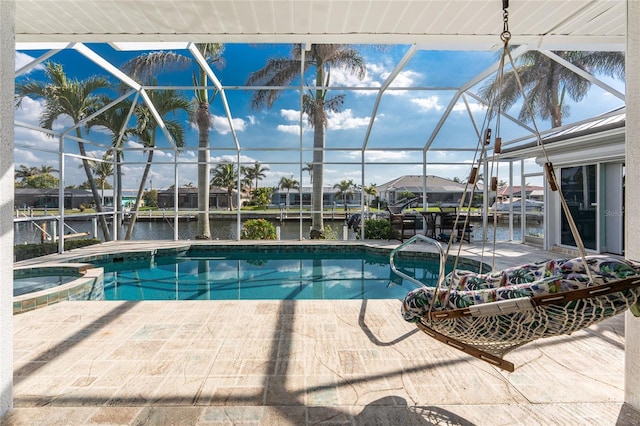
point(238, 199)
point(523, 201)
point(425, 181)
point(511, 200)
point(632, 197)
point(303, 53)
point(7, 66)
point(176, 219)
point(61, 195)
point(364, 208)
point(117, 204)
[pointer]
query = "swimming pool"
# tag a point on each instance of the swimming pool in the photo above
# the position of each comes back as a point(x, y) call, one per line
point(252, 273)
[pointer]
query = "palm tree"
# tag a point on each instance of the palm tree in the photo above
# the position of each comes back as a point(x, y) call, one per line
point(546, 82)
point(370, 190)
point(288, 184)
point(33, 177)
point(166, 102)
point(344, 190)
point(225, 175)
point(102, 170)
point(115, 120)
point(45, 170)
point(309, 168)
point(150, 64)
point(25, 172)
point(316, 103)
point(75, 99)
point(256, 172)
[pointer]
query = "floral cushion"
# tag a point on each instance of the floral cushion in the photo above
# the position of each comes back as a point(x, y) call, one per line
point(461, 289)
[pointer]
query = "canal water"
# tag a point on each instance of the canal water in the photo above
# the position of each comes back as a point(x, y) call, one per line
point(224, 229)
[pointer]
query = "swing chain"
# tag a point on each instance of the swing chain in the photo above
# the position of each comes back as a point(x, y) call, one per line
point(506, 34)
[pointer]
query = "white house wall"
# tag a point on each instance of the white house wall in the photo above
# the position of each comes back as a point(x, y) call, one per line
point(7, 64)
point(632, 202)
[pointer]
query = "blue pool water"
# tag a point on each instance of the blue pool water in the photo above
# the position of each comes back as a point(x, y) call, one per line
point(244, 275)
point(37, 283)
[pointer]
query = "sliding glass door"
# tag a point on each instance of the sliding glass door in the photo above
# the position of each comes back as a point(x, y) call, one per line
point(579, 187)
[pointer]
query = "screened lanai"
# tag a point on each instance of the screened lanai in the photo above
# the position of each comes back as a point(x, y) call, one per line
point(103, 35)
point(409, 115)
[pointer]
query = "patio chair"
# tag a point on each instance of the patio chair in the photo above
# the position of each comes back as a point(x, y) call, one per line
point(401, 225)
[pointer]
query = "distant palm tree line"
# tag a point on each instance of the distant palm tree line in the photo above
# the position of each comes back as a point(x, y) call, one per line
point(547, 84)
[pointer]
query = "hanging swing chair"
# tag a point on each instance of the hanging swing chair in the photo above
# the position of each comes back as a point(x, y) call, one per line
point(488, 314)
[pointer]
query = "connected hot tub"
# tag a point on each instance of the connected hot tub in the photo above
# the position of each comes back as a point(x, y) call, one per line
point(38, 286)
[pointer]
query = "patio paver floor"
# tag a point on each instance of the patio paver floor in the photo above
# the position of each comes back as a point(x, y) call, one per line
point(295, 363)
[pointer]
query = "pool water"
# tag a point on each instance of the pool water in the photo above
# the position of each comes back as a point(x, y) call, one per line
point(37, 283)
point(246, 275)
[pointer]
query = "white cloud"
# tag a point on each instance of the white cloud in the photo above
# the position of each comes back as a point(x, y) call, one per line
point(26, 157)
point(221, 124)
point(165, 155)
point(405, 78)
point(377, 156)
point(335, 121)
point(293, 129)
point(30, 111)
point(449, 170)
point(345, 120)
point(292, 115)
point(440, 155)
point(23, 59)
point(134, 145)
point(344, 78)
point(473, 106)
point(28, 137)
point(233, 159)
point(377, 73)
point(350, 175)
point(430, 103)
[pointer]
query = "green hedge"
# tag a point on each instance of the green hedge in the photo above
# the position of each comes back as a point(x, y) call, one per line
point(258, 229)
point(376, 229)
point(29, 251)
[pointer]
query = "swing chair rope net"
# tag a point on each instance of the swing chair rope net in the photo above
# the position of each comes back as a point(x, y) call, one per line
point(500, 334)
point(499, 312)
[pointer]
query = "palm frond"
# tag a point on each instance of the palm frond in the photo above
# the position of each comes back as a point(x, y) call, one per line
point(212, 52)
point(148, 65)
point(176, 130)
point(335, 103)
point(277, 72)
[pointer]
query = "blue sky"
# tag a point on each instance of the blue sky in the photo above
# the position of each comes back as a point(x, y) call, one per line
point(404, 122)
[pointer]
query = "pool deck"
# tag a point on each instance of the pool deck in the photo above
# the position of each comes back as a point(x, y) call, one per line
point(304, 362)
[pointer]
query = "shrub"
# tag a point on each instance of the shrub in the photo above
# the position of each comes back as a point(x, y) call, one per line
point(329, 233)
point(376, 229)
point(29, 251)
point(258, 229)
